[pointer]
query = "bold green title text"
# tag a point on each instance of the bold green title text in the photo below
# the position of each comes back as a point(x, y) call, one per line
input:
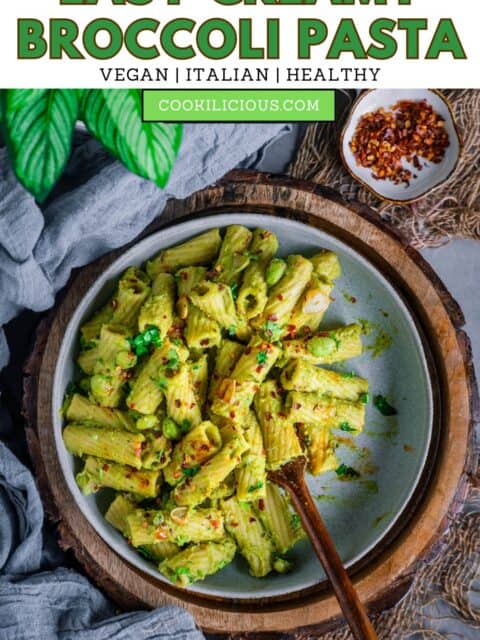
point(183, 38)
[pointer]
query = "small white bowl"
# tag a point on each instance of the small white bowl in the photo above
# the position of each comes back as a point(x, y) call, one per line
point(432, 175)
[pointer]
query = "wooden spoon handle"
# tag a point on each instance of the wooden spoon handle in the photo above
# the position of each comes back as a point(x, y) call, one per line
point(352, 608)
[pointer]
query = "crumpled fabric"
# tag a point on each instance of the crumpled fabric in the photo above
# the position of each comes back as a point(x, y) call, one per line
point(100, 206)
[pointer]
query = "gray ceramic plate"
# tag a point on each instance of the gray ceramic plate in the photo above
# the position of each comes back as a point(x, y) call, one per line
point(390, 455)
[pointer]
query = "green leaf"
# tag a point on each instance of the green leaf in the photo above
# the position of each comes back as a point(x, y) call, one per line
point(114, 117)
point(38, 125)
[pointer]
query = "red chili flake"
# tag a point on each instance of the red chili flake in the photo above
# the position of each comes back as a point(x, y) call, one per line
point(234, 524)
point(261, 504)
point(282, 415)
point(106, 467)
point(248, 351)
point(178, 403)
point(221, 287)
point(184, 275)
point(145, 482)
point(297, 406)
point(161, 534)
point(215, 524)
point(268, 415)
point(280, 297)
point(252, 519)
point(409, 131)
point(273, 317)
point(205, 342)
point(232, 414)
point(273, 394)
point(259, 368)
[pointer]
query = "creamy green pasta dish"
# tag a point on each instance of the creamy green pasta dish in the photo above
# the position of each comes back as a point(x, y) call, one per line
point(204, 371)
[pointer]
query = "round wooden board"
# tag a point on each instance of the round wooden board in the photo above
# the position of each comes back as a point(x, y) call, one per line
point(387, 576)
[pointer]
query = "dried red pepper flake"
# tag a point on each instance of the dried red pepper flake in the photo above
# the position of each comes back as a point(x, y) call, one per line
point(410, 131)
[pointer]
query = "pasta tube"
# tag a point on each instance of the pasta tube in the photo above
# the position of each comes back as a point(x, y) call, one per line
point(279, 436)
point(99, 473)
point(256, 361)
point(304, 376)
point(227, 356)
point(198, 561)
point(252, 296)
point(330, 412)
point(146, 393)
point(198, 446)
point(284, 296)
point(200, 379)
point(283, 526)
point(123, 447)
point(80, 409)
point(201, 250)
point(327, 347)
point(195, 490)
point(117, 514)
point(181, 525)
point(320, 447)
point(254, 543)
point(201, 332)
point(216, 301)
point(311, 308)
point(182, 403)
point(232, 399)
point(251, 475)
point(233, 258)
point(327, 265)
point(158, 309)
point(132, 291)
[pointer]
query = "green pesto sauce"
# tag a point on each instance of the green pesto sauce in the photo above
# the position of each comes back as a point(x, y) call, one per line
point(383, 341)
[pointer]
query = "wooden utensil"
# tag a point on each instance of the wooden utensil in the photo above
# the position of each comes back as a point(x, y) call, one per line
point(292, 478)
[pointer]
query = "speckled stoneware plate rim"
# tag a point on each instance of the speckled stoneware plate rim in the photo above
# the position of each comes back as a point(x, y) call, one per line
point(149, 247)
point(353, 169)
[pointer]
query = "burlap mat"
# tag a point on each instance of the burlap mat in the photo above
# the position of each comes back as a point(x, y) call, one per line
point(452, 210)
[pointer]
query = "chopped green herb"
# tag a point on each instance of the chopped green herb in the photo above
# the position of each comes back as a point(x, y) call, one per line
point(173, 361)
point(348, 375)
point(295, 520)
point(185, 426)
point(183, 571)
point(190, 472)
point(141, 343)
point(364, 398)
point(162, 383)
point(385, 408)
point(346, 427)
point(333, 337)
point(262, 357)
point(346, 472)
point(177, 342)
point(232, 330)
point(251, 256)
point(255, 487)
point(234, 288)
point(146, 554)
point(272, 331)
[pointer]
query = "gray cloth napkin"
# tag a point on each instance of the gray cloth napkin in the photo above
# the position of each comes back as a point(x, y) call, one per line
point(101, 206)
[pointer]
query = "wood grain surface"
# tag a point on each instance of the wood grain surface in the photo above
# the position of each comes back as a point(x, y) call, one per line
point(383, 577)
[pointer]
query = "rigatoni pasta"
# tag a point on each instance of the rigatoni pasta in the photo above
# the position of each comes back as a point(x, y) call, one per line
point(199, 376)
